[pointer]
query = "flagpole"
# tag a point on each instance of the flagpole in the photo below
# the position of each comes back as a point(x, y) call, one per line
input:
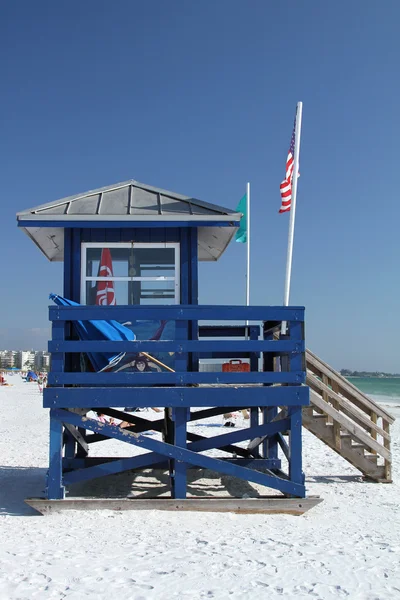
point(247, 336)
point(292, 209)
point(248, 245)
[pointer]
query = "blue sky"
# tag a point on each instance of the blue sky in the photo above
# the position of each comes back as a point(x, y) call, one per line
point(198, 98)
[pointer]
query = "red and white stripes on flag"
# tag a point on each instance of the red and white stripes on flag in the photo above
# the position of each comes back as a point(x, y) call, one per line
point(105, 293)
point(286, 185)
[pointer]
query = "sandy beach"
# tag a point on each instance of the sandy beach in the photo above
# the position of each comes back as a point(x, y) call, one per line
point(348, 546)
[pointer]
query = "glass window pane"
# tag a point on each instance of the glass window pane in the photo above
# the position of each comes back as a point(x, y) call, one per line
point(117, 258)
point(157, 292)
point(131, 262)
point(130, 292)
point(153, 262)
point(96, 294)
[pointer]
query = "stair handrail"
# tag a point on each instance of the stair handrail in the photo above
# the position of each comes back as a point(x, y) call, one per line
point(347, 389)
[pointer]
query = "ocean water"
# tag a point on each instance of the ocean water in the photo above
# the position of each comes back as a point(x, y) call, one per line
point(385, 390)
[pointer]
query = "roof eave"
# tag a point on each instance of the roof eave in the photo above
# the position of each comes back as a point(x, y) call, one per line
point(27, 217)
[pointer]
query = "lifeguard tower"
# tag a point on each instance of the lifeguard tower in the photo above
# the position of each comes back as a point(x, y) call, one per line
point(154, 240)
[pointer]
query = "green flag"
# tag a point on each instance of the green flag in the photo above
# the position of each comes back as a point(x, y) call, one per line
point(241, 234)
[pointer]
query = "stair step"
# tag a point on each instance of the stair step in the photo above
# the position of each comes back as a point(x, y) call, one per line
point(331, 418)
point(358, 447)
point(373, 458)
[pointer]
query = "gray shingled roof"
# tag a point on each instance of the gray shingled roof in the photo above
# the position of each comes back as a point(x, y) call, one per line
point(128, 201)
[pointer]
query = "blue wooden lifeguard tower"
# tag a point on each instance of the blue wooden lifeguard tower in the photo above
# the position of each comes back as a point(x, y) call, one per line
point(155, 240)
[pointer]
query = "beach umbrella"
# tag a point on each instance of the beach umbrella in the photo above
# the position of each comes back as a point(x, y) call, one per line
point(99, 330)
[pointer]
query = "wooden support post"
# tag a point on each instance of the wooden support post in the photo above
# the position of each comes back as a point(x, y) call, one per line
point(336, 426)
point(76, 436)
point(254, 411)
point(254, 355)
point(296, 332)
point(55, 489)
point(180, 468)
point(180, 416)
point(254, 423)
point(270, 444)
point(295, 463)
point(264, 445)
point(325, 396)
point(269, 363)
point(386, 443)
point(374, 419)
point(70, 444)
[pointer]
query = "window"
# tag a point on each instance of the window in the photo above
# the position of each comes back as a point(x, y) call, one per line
point(130, 273)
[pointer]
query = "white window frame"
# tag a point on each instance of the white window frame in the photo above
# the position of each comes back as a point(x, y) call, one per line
point(177, 278)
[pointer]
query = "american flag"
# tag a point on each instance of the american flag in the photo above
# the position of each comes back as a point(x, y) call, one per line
point(286, 185)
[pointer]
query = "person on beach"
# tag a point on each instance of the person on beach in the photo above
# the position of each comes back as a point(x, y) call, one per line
point(110, 421)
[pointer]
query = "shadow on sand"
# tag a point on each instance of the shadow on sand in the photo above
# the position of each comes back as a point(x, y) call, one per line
point(202, 483)
point(18, 483)
point(337, 479)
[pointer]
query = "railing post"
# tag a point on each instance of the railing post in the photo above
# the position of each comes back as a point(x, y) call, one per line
point(374, 419)
point(254, 411)
point(55, 489)
point(180, 417)
point(180, 468)
point(296, 363)
point(270, 444)
point(295, 444)
point(386, 443)
point(336, 426)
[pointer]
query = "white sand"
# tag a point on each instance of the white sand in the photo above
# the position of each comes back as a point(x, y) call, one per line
point(348, 546)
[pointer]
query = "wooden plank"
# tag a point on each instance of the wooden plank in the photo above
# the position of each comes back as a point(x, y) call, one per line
point(179, 346)
point(317, 385)
point(77, 436)
point(346, 387)
point(95, 397)
point(263, 505)
point(122, 378)
point(358, 460)
point(336, 426)
point(55, 488)
point(325, 394)
point(350, 426)
point(388, 463)
point(177, 312)
point(374, 419)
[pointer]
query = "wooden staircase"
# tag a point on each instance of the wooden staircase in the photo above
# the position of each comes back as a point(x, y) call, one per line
point(348, 421)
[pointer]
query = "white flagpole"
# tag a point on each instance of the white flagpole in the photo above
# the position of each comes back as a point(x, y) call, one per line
point(248, 245)
point(248, 253)
point(292, 209)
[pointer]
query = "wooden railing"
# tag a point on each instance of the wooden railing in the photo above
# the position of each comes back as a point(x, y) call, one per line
point(349, 411)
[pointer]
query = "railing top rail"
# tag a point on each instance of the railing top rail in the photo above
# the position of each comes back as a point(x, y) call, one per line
point(348, 424)
point(313, 362)
point(346, 406)
point(178, 346)
point(178, 312)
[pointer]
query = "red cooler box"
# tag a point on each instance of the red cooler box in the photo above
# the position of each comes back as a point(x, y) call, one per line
point(235, 365)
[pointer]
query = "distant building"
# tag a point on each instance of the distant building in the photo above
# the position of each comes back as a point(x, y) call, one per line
point(27, 359)
point(42, 361)
point(9, 359)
